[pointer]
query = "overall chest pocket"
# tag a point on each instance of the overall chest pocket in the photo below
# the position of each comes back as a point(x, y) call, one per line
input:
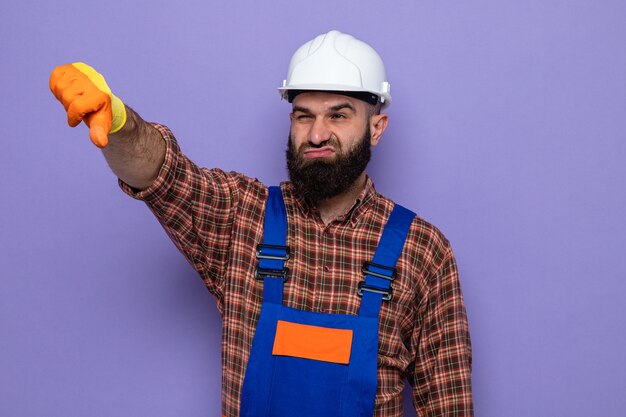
point(310, 369)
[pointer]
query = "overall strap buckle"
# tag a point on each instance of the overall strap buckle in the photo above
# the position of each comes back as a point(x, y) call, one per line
point(271, 255)
point(383, 272)
point(387, 293)
point(274, 252)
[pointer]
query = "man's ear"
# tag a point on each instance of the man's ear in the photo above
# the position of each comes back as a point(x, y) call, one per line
point(378, 124)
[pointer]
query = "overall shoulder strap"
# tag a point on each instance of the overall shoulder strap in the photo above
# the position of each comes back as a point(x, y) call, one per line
point(273, 252)
point(380, 272)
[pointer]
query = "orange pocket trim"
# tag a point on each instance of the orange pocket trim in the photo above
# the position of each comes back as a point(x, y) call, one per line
point(312, 342)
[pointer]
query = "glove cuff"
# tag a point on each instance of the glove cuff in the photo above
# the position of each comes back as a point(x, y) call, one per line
point(118, 111)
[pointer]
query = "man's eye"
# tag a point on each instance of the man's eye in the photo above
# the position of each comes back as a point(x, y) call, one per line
point(303, 117)
point(338, 116)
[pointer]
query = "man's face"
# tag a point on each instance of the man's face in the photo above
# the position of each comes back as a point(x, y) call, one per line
point(329, 143)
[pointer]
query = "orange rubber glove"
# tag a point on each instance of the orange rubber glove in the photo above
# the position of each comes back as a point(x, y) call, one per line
point(86, 97)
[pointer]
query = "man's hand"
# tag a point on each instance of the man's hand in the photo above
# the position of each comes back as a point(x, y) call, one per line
point(86, 96)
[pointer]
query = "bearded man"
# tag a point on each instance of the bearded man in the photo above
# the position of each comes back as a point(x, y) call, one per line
point(331, 294)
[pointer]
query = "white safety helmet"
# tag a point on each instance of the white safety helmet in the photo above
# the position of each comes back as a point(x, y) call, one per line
point(339, 62)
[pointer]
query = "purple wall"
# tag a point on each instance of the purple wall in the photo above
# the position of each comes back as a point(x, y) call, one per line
point(507, 132)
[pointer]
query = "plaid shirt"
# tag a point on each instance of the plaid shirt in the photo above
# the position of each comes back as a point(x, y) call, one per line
point(216, 220)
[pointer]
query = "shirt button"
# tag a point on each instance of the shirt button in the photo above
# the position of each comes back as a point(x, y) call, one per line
point(326, 268)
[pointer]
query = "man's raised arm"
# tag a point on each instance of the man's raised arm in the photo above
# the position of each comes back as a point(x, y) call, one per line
point(135, 151)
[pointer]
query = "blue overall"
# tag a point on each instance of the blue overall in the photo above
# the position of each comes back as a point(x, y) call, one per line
point(286, 385)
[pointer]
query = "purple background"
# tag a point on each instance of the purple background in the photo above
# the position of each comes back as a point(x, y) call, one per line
point(507, 132)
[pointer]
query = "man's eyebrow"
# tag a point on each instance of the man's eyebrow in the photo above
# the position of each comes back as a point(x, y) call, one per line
point(300, 109)
point(334, 108)
point(342, 106)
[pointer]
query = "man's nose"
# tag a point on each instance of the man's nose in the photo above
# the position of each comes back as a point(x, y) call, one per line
point(319, 132)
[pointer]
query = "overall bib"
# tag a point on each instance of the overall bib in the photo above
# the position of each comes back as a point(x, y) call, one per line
point(309, 364)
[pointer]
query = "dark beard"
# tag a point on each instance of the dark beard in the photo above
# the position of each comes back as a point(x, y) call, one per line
point(317, 179)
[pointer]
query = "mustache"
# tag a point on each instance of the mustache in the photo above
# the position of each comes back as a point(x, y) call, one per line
point(332, 142)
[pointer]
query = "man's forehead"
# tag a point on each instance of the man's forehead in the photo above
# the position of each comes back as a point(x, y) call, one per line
point(315, 100)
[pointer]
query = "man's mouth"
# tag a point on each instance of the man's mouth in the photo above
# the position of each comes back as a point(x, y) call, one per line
point(323, 152)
